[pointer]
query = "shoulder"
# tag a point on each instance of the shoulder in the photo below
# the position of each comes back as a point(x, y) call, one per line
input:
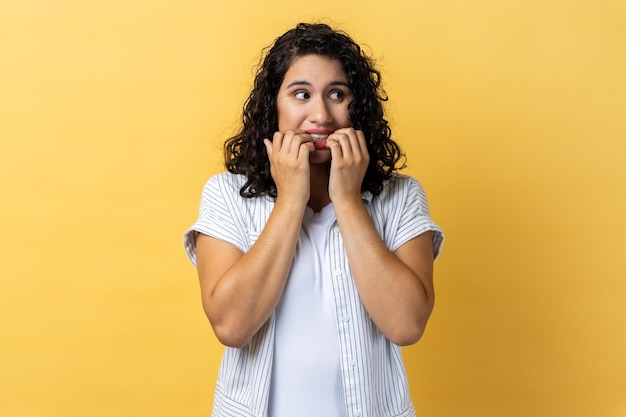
point(224, 190)
point(399, 186)
point(404, 181)
point(401, 193)
point(224, 186)
point(226, 180)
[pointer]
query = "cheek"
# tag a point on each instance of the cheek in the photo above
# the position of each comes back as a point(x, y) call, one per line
point(285, 121)
point(288, 117)
point(344, 117)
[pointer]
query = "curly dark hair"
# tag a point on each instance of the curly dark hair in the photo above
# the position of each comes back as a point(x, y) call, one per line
point(245, 152)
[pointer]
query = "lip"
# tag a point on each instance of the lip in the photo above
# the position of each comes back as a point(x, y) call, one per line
point(319, 131)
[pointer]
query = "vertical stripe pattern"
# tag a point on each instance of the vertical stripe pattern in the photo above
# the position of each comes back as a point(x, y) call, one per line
point(373, 373)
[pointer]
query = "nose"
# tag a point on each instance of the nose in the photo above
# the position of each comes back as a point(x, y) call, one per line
point(319, 112)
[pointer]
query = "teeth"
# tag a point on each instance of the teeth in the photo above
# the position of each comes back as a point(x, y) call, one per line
point(317, 136)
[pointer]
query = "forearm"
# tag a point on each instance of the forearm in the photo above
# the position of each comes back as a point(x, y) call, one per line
point(247, 293)
point(399, 299)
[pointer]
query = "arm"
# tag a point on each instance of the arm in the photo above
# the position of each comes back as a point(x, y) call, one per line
point(396, 288)
point(241, 290)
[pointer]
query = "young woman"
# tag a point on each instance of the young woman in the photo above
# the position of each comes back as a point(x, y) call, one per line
point(315, 256)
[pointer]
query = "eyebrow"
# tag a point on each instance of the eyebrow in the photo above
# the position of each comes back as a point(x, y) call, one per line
point(306, 83)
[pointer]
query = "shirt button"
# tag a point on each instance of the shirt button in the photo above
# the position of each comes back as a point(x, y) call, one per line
point(351, 364)
point(345, 319)
point(357, 414)
point(337, 272)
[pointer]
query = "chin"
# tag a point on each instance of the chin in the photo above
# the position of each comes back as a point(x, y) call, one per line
point(320, 156)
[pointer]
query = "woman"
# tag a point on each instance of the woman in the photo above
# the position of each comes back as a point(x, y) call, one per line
point(315, 257)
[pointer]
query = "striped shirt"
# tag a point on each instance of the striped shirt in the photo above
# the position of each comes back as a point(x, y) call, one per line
point(373, 374)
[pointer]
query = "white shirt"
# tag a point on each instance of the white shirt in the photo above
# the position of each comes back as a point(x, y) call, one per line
point(306, 369)
point(373, 374)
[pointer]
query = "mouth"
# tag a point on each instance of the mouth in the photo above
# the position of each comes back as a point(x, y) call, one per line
point(319, 141)
point(319, 137)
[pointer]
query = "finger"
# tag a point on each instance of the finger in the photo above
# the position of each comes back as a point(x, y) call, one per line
point(362, 142)
point(299, 139)
point(269, 147)
point(358, 143)
point(292, 142)
point(333, 144)
point(277, 141)
point(345, 140)
point(305, 150)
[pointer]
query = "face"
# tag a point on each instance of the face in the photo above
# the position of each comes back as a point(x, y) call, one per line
point(314, 98)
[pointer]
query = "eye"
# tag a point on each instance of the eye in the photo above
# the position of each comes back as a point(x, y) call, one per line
point(336, 95)
point(302, 95)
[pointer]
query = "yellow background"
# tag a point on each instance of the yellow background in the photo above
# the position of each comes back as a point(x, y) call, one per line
point(112, 115)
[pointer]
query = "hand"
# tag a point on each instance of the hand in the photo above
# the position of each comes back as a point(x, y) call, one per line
point(350, 159)
point(289, 161)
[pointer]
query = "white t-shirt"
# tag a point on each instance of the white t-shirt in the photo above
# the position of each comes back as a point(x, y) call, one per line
point(306, 372)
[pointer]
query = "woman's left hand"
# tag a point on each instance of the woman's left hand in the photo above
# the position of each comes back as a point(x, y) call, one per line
point(350, 159)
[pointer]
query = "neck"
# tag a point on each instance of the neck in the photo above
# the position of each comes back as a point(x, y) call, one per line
point(319, 187)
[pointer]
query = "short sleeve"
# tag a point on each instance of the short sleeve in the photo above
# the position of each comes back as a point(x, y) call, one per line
point(415, 217)
point(216, 217)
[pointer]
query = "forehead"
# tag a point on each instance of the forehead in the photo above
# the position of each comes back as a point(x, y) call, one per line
point(314, 68)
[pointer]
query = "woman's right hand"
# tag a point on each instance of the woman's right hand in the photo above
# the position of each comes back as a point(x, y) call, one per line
point(289, 161)
point(240, 291)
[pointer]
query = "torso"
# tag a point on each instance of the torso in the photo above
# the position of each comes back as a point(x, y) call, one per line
point(306, 376)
